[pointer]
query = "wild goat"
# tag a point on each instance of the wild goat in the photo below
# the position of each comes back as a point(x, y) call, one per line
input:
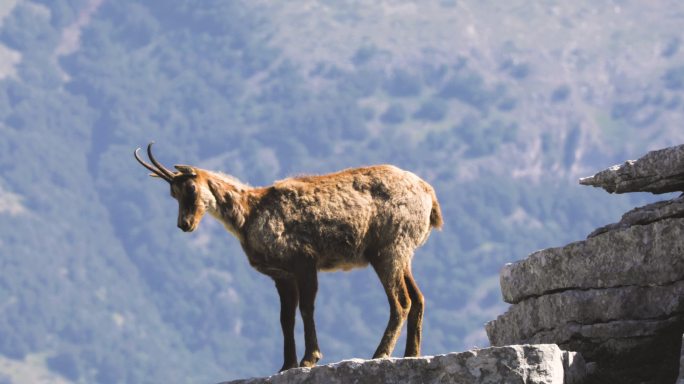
point(298, 226)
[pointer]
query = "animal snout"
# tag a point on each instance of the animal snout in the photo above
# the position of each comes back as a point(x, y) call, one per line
point(185, 225)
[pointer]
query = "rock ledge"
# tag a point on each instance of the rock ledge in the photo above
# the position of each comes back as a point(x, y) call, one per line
point(533, 364)
point(659, 171)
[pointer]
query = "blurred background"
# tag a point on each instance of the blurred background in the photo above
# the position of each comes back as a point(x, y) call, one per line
point(501, 106)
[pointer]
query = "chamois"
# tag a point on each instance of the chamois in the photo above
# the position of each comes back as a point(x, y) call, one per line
point(375, 215)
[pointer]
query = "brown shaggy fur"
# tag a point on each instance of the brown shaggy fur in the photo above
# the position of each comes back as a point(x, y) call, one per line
point(375, 215)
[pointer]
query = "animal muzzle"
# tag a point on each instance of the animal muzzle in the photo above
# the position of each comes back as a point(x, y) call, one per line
point(186, 225)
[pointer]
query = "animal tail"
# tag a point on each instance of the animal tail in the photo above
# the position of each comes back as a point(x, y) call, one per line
point(436, 213)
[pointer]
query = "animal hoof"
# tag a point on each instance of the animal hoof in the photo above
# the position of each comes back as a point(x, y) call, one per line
point(311, 360)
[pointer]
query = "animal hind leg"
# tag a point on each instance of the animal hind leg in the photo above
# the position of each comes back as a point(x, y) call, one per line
point(307, 284)
point(392, 279)
point(414, 323)
point(287, 290)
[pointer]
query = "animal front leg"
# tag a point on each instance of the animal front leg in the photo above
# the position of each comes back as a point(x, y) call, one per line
point(307, 284)
point(287, 290)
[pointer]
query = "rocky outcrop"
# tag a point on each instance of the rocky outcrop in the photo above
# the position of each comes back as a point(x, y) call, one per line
point(657, 172)
point(533, 364)
point(669, 209)
point(680, 379)
point(650, 254)
point(616, 297)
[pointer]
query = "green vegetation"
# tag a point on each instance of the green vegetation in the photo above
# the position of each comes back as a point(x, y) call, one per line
point(674, 78)
point(560, 94)
point(432, 110)
point(96, 276)
point(395, 114)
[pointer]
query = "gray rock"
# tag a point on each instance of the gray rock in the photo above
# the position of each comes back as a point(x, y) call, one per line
point(616, 297)
point(645, 215)
point(533, 364)
point(575, 369)
point(680, 379)
point(659, 171)
point(641, 255)
point(623, 351)
point(561, 316)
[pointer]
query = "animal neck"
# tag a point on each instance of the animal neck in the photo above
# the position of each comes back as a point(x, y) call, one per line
point(227, 202)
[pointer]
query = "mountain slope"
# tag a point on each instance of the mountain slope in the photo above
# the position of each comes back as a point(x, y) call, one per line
point(500, 108)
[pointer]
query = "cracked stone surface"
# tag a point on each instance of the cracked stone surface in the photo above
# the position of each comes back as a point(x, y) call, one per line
point(657, 172)
point(640, 255)
point(531, 364)
point(560, 315)
point(680, 379)
point(616, 297)
point(645, 215)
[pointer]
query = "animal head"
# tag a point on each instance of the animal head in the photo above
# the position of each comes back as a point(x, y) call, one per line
point(186, 187)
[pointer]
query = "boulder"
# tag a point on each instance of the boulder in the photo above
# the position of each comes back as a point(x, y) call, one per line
point(538, 364)
point(645, 215)
point(616, 297)
point(563, 315)
point(680, 379)
point(641, 255)
point(659, 171)
point(631, 333)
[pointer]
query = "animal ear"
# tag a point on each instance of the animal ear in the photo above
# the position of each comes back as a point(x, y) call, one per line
point(186, 170)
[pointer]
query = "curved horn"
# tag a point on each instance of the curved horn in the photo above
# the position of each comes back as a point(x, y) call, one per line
point(151, 168)
point(162, 168)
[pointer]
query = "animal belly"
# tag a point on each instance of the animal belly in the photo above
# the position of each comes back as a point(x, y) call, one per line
point(340, 263)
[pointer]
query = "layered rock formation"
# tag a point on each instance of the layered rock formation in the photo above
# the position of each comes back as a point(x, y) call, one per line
point(616, 297)
point(525, 364)
point(659, 171)
point(680, 379)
